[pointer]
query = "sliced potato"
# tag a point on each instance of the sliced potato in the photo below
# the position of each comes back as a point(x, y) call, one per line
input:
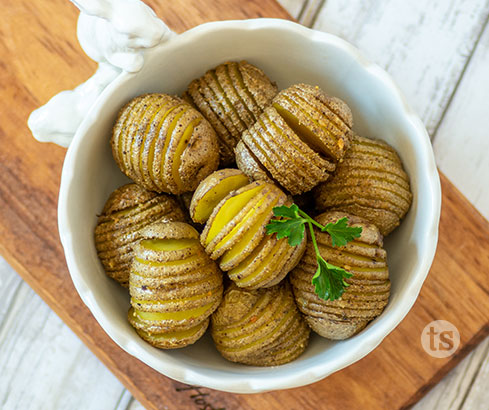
point(269, 263)
point(234, 235)
point(369, 182)
point(170, 339)
point(174, 286)
point(212, 190)
point(229, 212)
point(298, 139)
point(164, 144)
point(231, 96)
point(259, 328)
point(368, 290)
point(306, 110)
point(249, 164)
point(129, 209)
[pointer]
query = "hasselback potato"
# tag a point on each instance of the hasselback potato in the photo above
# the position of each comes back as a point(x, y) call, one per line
point(298, 140)
point(164, 144)
point(235, 235)
point(231, 96)
point(174, 286)
point(369, 287)
point(127, 210)
point(370, 182)
point(260, 327)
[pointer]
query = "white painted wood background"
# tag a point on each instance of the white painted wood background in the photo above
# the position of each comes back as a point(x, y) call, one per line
point(438, 52)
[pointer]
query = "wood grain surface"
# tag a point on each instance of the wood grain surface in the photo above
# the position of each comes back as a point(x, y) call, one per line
point(29, 179)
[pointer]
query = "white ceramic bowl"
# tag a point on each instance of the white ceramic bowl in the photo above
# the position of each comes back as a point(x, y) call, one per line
point(288, 53)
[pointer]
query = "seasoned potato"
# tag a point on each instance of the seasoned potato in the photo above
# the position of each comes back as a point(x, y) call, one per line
point(212, 190)
point(370, 182)
point(368, 292)
point(164, 144)
point(235, 234)
point(298, 140)
point(231, 96)
point(268, 264)
point(129, 209)
point(174, 286)
point(261, 327)
point(249, 164)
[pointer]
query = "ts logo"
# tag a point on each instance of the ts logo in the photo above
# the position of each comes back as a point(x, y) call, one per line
point(440, 339)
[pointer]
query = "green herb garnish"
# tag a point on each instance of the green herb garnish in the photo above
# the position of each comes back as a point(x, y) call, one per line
point(329, 280)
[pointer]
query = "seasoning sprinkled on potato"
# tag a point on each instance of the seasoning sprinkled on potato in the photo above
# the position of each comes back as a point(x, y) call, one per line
point(164, 144)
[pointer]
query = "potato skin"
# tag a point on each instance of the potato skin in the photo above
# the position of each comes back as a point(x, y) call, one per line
point(275, 259)
point(129, 209)
point(247, 163)
point(370, 182)
point(368, 292)
point(164, 144)
point(259, 327)
point(174, 286)
point(231, 96)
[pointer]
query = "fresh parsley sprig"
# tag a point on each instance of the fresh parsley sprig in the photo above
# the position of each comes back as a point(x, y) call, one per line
point(329, 280)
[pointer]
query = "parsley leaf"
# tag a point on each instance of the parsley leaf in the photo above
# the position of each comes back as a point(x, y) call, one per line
point(341, 233)
point(288, 228)
point(329, 280)
point(291, 211)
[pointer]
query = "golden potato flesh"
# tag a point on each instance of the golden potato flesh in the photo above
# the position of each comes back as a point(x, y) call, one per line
point(129, 209)
point(212, 190)
point(259, 327)
point(368, 292)
point(174, 286)
point(298, 139)
point(164, 144)
point(231, 96)
point(370, 182)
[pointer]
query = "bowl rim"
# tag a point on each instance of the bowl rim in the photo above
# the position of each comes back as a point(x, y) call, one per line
point(261, 382)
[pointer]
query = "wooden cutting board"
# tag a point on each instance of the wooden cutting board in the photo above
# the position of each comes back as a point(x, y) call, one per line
point(39, 56)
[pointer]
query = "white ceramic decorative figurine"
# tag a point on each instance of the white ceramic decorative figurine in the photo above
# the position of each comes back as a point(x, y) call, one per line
point(115, 33)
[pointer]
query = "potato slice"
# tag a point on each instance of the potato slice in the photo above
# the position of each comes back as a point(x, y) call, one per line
point(265, 158)
point(249, 164)
point(212, 190)
point(293, 151)
point(261, 211)
point(369, 182)
point(171, 339)
point(368, 290)
point(285, 162)
point(260, 328)
point(268, 264)
point(174, 286)
point(305, 174)
point(228, 213)
point(197, 99)
point(127, 210)
point(164, 144)
point(314, 157)
point(252, 237)
point(312, 125)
